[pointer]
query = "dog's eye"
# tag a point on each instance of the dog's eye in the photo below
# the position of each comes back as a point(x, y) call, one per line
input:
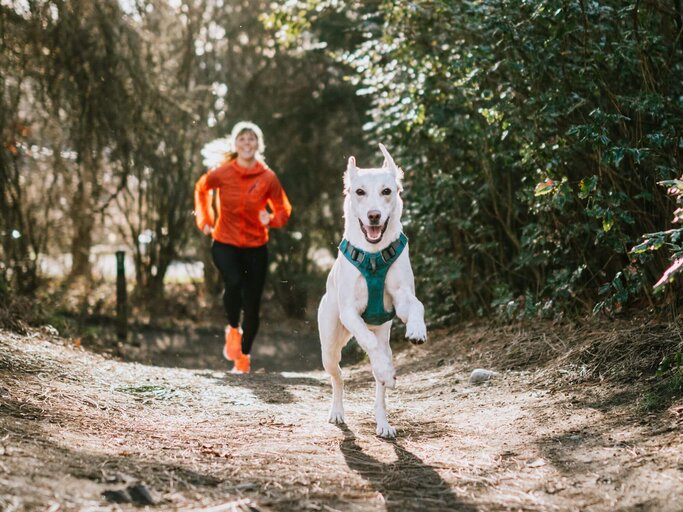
point(360, 192)
point(386, 192)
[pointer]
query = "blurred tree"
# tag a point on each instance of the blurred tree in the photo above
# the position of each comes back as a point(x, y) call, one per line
point(108, 103)
point(311, 118)
point(32, 163)
point(94, 81)
point(153, 214)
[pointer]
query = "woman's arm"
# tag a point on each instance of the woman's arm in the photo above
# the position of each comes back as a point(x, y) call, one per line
point(279, 204)
point(204, 214)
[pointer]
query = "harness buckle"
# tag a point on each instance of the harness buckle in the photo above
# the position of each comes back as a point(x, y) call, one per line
point(389, 252)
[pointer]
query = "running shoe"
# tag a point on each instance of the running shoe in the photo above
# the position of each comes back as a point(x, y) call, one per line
point(243, 364)
point(232, 350)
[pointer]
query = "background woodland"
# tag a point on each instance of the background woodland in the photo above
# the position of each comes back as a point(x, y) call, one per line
point(541, 142)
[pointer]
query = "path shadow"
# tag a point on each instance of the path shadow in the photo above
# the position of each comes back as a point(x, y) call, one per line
point(270, 388)
point(277, 348)
point(407, 484)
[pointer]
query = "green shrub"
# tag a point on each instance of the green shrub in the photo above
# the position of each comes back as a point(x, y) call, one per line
point(532, 134)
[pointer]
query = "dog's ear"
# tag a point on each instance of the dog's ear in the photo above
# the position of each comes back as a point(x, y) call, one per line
point(351, 171)
point(390, 164)
point(388, 161)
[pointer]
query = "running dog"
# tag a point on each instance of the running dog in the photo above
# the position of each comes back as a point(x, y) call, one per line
point(370, 282)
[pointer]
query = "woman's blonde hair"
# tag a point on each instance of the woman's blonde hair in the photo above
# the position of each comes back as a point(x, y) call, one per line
point(220, 151)
point(239, 129)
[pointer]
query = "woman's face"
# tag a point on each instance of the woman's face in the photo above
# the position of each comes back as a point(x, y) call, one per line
point(246, 145)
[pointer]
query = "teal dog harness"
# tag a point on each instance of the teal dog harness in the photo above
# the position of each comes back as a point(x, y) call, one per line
point(374, 267)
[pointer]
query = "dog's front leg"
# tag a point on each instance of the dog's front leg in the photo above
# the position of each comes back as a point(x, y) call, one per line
point(401, 287)
point(411, 312)
point(383, 427)
point(382, 368)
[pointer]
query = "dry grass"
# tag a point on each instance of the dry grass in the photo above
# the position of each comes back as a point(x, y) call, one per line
point(618, 351)
point(204, 440)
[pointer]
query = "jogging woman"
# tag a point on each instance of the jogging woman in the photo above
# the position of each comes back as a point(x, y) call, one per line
point(249, 201)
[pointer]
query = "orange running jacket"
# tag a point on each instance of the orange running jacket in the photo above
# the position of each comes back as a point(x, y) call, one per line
point(242, 194)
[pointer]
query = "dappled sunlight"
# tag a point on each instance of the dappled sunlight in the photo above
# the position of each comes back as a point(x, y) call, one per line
point(540, 153)
point(199, 436)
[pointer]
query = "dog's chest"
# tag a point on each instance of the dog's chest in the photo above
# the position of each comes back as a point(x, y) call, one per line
point(373, 301)
point(361, 293)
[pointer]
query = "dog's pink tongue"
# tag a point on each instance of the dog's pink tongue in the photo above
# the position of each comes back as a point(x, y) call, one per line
point(374, 232)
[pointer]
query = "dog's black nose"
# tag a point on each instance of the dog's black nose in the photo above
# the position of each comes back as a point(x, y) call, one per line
point(374, 216)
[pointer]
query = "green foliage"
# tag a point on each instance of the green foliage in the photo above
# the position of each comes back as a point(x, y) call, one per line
point(532, 134)
point(670, 363)
point(669, 384)
point(670, 238)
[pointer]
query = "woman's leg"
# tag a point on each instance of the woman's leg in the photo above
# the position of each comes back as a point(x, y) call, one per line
point(227, 260)
point(255, 264)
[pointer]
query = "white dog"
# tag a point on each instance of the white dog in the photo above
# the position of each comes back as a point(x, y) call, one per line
point(370, 282)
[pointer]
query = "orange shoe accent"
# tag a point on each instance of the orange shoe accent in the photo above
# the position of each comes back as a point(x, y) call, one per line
point(232, 350)
point(242, 365)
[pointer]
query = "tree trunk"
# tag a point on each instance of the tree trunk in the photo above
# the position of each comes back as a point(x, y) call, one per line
point(81, 241)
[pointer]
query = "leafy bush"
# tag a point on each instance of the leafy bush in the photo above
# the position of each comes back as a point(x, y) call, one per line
point(670, 238)
point(532, 134)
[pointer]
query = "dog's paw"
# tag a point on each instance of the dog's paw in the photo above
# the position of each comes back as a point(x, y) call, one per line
point(385, 375)
point(416, 332)
point(385, 430)
point(336, 416)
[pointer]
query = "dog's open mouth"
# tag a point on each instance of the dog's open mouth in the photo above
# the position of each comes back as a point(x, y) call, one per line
point(373, 234)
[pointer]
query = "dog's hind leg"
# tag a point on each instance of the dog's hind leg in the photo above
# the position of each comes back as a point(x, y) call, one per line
point(333, 336)
point(383, 427)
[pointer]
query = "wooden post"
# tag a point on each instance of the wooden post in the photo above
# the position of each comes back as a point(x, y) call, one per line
point(121, 301)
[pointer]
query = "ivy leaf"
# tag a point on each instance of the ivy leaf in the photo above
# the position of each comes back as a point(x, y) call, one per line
point(641, 247)
point(672, 184)
point(668, 275)
point(545, 187)
point(664, 366)
point(607, 221)
point(617, 156)
point(587, 185)
point(653, 243)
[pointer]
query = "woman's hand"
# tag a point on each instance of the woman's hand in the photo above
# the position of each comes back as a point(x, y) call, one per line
point(207, 229)
point(264, 217)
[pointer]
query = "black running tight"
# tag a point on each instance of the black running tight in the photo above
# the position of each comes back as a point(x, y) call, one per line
point(244, 274)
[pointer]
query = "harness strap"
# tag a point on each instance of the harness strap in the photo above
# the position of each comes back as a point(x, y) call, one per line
point(374, 267)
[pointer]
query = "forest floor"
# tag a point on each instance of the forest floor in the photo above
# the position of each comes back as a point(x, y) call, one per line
point(568, 424)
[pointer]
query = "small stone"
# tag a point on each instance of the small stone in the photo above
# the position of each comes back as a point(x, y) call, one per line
point(50, 330)
point(117, 496)
point(140, 495)
point(479, 376)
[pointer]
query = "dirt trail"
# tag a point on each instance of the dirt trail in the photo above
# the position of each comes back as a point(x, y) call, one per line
point(77, 427)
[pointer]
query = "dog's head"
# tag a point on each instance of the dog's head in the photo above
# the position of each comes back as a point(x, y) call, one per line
point(373, 204)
